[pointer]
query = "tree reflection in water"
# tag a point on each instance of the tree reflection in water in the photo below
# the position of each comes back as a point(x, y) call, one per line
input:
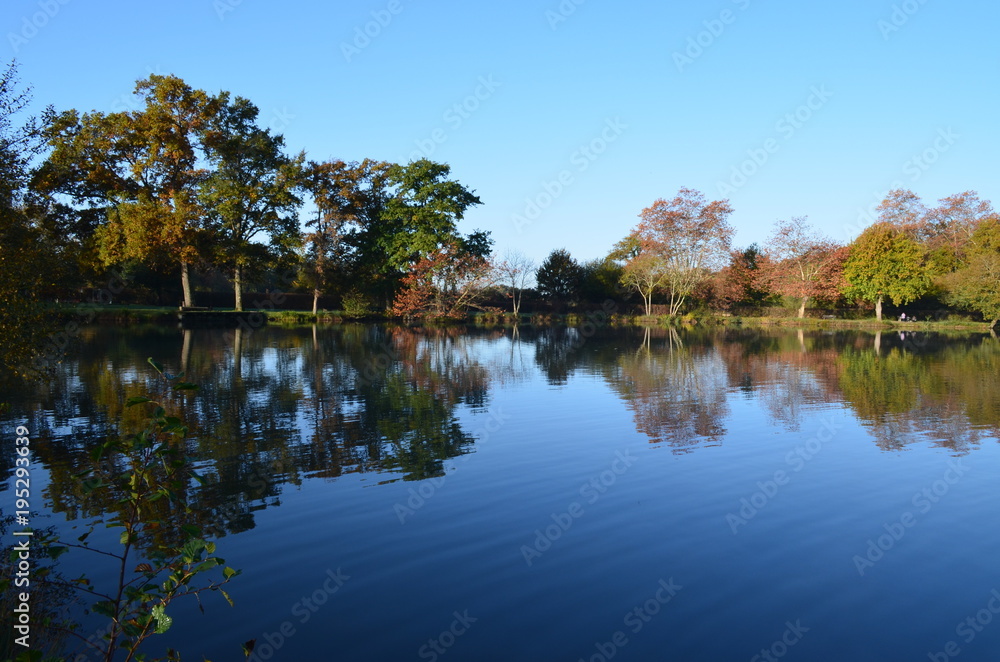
point(280, 405)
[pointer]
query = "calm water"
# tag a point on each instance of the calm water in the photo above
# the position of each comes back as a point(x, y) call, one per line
point(396, 494)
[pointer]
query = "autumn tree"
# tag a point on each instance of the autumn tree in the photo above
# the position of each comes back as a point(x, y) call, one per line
point(685, 238)
point(140, 169)
point(740, 282)
point(445, 283)
point(645, 273)
point(251, 192)
point(949, 228)
point(515, 272)
point(559, 275)
point(904, 210)
point(884, 262)
point(976, 285)
point(324, 246)
point(797, 257)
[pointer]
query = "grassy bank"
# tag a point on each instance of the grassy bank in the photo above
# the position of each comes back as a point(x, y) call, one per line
point(132, 314)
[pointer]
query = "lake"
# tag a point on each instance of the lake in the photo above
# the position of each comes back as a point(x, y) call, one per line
point(396, 493)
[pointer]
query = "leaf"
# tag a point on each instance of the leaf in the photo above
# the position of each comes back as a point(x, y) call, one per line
point(229, 573)
point(228, 599)
point(185, 386)
point(156, 364)
point(144, 567)
point(163, 622)
point(104, 608)
point(137, 400)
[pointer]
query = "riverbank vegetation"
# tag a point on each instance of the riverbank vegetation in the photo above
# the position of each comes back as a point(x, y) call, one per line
point(186, 198)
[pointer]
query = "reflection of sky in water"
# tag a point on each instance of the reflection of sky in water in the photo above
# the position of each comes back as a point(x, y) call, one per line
point(485, 441)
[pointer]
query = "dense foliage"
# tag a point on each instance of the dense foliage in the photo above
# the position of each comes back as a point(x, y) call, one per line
point(186, 194)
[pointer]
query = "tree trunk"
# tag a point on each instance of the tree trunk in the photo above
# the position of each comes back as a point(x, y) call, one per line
point(648, 300)
point(802, 308)
point(993, 325)
point(238, 286)
point(878, 309)
point(315, 300)
point(186, 284)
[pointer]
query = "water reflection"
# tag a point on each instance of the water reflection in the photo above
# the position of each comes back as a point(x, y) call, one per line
point(280, 405)
point(675, 390)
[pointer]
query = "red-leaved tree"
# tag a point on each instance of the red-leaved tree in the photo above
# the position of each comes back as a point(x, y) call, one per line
point(680, 241)
point(801, 263)
point(445, 283)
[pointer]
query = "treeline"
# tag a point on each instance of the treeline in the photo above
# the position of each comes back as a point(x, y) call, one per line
point(681, 254)
point(189, 186)
point(188, 191)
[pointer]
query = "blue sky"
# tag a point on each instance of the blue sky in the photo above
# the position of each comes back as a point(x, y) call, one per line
point(589, 111)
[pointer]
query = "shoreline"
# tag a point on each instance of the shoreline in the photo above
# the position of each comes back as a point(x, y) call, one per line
point(131, 314)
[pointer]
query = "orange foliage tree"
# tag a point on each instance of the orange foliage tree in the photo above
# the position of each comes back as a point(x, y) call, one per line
point(801, 263)
point(679, 241)
point(444, 283)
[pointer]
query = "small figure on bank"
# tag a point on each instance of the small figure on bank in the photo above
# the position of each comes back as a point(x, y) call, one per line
point(902, 317)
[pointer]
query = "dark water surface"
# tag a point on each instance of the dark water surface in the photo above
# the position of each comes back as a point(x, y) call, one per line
point(395, 494)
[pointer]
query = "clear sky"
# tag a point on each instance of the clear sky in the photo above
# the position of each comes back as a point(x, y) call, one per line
point(589, 109)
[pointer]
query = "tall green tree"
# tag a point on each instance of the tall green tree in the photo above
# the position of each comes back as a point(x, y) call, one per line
point(885, 263)
point(140, 169)
point(251, 192)
point(559, 276)
point(424, 212)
